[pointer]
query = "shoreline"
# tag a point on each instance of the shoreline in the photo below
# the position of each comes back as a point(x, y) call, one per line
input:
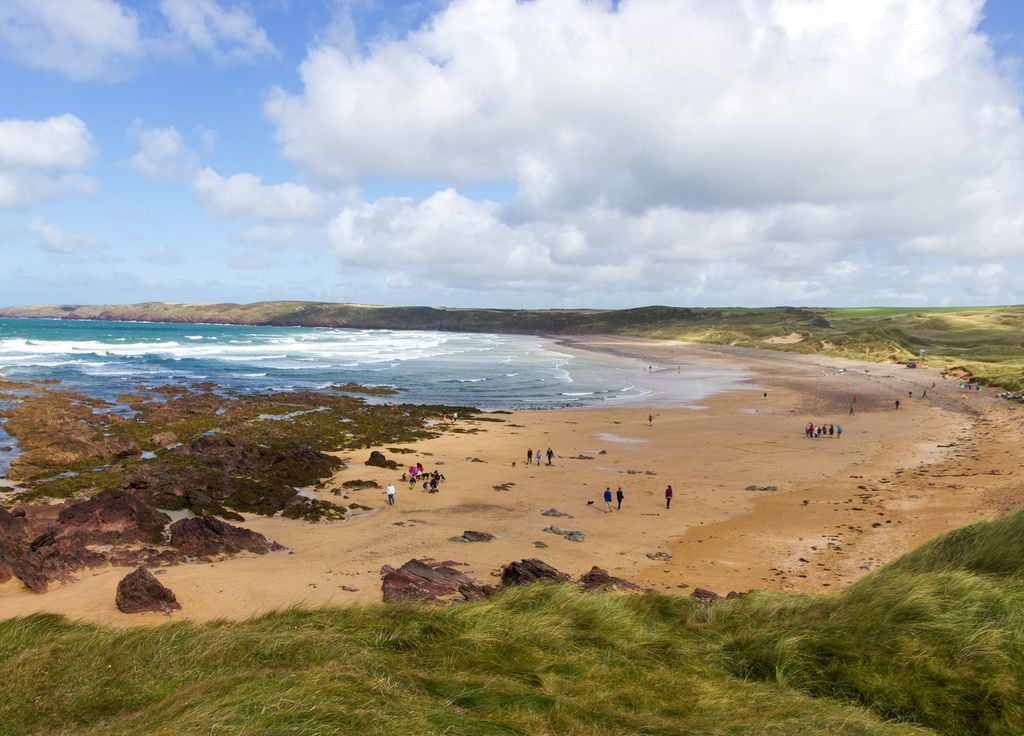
point(891, 468)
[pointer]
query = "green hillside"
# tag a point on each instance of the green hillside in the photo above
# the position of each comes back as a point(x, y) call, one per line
point(985, 342)
point(931, 644)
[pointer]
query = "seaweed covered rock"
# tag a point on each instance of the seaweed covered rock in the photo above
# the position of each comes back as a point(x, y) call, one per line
point(163, 439)
point(207, 537)
point(424, 580)
point(140, 591)
point(216, 473)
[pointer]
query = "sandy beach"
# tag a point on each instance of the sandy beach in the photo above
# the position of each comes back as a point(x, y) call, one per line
point(826, 511)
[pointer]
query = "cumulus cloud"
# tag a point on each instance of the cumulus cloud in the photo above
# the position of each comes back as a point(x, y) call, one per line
point(730, 138)
point(226, 34)
point(41, 158)
point(245, 197)
point(103, 40)
point(162, 153)
point(81, 39)
point(52, 238)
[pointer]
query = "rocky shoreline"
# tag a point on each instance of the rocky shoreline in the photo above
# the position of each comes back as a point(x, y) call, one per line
point(96, 483)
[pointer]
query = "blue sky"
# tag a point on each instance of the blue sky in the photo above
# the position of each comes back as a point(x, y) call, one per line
point(500, 154)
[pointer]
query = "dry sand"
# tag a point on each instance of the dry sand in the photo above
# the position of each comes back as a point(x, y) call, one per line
point(842, 506)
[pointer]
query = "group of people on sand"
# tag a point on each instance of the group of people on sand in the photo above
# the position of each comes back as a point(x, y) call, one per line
point(416, 474)
point(817, 431)
point(532, 454)
point(619, 496)
point(431, 481)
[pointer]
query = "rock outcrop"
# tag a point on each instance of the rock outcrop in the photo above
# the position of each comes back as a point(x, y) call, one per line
point(530, 571)
point(140, 591)
point(43, 543)
point(423, 580)
point(598, 579)
point(471, 536)
point(704, 596)
point(440, 582)
point(208, 537)
point(112, 517)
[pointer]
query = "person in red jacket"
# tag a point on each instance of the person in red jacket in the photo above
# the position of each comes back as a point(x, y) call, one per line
point(668, 497)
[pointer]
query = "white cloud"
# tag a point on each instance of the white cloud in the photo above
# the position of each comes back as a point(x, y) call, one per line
point(81, 39)
point(228, 35)
point(41, 158)
point(104, 40)
point(55, 240)
point(162, 153)
point(765, 139)
point(245, 197)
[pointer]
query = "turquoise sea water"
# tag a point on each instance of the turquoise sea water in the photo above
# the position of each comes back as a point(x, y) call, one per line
point(487, 371)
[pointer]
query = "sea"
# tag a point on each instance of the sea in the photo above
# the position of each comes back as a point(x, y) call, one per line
point(486, 371)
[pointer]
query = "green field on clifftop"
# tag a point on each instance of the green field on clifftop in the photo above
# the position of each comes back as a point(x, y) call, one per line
point(985, 342)
point(931, 644)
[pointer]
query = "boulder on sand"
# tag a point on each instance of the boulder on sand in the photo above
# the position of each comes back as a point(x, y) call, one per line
point(140, 591)
point(378, 460)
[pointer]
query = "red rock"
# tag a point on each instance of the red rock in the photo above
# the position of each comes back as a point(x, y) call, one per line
point(111, 517)
point(206, 537)
point(419, 580)
point(140, 591)
point(707, 597)
point(598, 579)
point(530, 571)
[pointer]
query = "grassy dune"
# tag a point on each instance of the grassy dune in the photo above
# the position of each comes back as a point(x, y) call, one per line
point(931, 644)
point(987, 342)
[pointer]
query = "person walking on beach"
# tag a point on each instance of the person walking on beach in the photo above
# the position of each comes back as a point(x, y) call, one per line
point(608, 500)
point(897, 403)
point(529, 456)
point(839, 431)
point(650, 419)
point(538, 456)
point(618, 497)
point(550, 454)
point(668, 496)
point(390, 491)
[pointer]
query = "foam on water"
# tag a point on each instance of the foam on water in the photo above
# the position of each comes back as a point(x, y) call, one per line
point(483, 370)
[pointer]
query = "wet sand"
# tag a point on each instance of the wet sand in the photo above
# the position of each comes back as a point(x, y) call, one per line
point(841, 506)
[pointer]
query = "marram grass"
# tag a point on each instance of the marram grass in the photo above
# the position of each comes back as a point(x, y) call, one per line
point(932, 644)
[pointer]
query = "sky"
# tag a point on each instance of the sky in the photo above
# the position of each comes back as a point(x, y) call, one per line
point(531, 154)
